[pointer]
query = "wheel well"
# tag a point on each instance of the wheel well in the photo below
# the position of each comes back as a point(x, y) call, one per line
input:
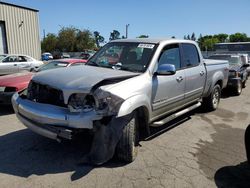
point(143, 118)
point(219, 82)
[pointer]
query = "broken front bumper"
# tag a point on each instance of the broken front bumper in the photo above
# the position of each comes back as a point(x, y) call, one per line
point(49, 120)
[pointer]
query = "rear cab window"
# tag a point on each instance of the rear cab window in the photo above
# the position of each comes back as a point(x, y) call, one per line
point(190, 55)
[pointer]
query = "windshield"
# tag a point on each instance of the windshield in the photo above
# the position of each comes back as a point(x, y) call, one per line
point(53, 65)
point(231, 59)
point(129, 56)
point(2, 57)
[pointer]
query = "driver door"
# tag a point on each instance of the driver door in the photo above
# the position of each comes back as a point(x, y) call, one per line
point(9, 65)
point(168, 90)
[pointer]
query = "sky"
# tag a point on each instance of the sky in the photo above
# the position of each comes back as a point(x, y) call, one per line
point(156, 18)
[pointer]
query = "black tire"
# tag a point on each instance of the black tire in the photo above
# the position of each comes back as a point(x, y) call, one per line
point(244, 84)
point(238, 89)
point(247, 143)
point(126, 149)
point(211, 102)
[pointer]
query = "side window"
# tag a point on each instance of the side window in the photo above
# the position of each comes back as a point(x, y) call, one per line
point(170, 55)
point(10, 59)
point(190, 55)
point(21, 59)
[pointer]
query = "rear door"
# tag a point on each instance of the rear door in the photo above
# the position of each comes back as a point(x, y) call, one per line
point(168, 90)
point(194, 70)
point(23, 63)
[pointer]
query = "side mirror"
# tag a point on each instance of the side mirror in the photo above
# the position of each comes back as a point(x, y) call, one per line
point(166, 69)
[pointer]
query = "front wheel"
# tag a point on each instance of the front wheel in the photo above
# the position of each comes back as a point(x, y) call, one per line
point(126, 149)
point(211, 102)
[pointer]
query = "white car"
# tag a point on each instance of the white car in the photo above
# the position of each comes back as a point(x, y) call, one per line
point(15, 63)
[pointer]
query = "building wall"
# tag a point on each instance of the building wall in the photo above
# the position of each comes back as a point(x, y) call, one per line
point(22, 30)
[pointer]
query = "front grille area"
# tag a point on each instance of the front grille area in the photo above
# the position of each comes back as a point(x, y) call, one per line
point(45, 94)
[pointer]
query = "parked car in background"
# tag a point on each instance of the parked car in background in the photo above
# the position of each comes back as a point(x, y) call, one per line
point(86, 55)
point(60, 55)
point(9, 84)
point(151, 83)
point(246, 60)
point(237, 71)
point(16, 63)
point(47, 56)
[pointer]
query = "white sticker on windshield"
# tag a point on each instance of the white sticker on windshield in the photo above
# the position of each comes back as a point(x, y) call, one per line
point(61, 65)
point(150, 46)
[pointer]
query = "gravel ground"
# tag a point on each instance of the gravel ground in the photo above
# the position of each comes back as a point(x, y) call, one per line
point(199, 150)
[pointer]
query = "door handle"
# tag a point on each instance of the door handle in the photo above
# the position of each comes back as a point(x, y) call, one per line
point(202, 73)
point(15, 64)
point(179, 78)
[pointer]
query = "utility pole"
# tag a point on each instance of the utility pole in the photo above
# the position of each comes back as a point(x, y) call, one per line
point(43, 33)
point(127, 25)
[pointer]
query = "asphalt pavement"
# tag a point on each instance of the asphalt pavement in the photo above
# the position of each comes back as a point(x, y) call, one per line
point(199, 150)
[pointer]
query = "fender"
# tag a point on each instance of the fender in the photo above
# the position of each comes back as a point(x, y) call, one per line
point(216, 77)
point(132, 103)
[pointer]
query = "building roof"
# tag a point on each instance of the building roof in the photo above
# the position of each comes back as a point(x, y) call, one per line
point(18, 6)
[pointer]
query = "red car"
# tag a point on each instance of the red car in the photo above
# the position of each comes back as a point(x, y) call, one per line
point(12, 83)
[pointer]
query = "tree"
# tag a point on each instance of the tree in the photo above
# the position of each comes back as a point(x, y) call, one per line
point(114, 35)
point(49, 43)
point(98, 38)
point(209, 43)
point(142, 36)
point(222, 37)
point(238, 37)
point(84, 40)
point(193, 37)
point(67, 39)
point(188, 37)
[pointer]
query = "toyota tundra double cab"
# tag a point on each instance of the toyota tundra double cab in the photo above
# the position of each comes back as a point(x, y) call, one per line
point(126, 87)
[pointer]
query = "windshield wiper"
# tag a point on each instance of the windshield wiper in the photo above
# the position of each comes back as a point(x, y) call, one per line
point(129, 69)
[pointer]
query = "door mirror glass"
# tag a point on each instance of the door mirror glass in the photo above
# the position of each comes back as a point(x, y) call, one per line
point(166, 69)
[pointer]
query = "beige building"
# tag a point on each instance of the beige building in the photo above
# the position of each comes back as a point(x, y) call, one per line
point(19, 30)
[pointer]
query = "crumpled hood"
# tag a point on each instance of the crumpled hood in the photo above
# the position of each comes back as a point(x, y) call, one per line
point(78, 78)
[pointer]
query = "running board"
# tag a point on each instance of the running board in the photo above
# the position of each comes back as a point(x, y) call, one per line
point(173, 116)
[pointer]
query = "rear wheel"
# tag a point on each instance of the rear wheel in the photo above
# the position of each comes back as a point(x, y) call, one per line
point(126, 149)
point(211, 102)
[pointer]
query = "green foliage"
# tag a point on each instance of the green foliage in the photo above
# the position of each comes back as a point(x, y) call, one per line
point(98, 38)
point(238, 37)
point(114, 35)
point(49, 43)
point(142, 36)
point(69, 39)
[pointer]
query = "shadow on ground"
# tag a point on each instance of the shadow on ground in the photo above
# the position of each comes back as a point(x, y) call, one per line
point(233, 176)
point(6, 110)
point(24, 153)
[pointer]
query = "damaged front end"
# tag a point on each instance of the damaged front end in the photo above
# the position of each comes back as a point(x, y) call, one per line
point(42, 109)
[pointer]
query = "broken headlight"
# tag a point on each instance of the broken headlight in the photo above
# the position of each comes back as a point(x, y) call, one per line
point(106, 102)
point(81, 102)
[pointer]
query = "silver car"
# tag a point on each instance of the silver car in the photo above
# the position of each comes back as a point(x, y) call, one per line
point(15, 63)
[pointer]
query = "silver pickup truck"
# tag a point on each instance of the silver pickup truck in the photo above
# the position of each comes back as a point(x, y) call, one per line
point(127, 86)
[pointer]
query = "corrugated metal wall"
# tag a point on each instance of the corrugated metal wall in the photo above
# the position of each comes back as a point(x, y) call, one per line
point(22, 30)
